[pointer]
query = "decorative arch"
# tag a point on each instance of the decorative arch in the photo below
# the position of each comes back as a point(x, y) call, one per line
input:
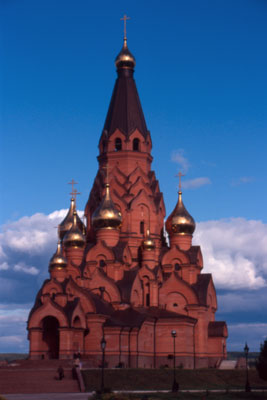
point(174, 256)
point(48, 309)
point(176, 302)
point(176, 284)
point(52, 287)
point(101, 280)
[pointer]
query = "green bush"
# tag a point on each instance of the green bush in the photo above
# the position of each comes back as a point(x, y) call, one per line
point(261, 364)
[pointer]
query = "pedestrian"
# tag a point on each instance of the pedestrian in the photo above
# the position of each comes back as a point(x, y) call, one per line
point(60, 371)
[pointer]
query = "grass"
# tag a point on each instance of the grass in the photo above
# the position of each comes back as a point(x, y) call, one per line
point(161, 379)
point(181, 396)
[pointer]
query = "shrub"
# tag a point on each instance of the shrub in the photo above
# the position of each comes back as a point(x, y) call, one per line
point(261, 364)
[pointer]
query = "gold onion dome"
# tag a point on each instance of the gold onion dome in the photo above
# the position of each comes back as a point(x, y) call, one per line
point(58, 261)
point(148, 243)
point(106, 216)
point(125, 59)
point(74, 237)
point(180, 221)
point(67, 222)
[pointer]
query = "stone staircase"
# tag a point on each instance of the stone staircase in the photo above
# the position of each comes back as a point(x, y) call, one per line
point(28, 376)
point(228, 364)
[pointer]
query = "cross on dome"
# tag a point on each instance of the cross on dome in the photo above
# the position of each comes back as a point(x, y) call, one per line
point(179, 175)
point(125, 18)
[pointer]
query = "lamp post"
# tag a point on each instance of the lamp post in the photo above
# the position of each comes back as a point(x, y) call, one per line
point(103, 346)
point(175, 385)
point(246, 350)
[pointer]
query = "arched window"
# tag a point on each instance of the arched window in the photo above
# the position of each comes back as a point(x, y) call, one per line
point(102, 263)
point(118, 144)
point(142, 227)
point(177, 267)
point(136, 144)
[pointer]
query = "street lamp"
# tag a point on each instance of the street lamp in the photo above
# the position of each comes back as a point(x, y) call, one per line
point(247, 387)
point(103, 346)
point(175, 385)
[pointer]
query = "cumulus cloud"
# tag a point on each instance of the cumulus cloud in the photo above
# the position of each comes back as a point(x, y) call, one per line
point(242, 180)
point(235, 252)
point(179, 158)
point(196, 183)
point(27, 269)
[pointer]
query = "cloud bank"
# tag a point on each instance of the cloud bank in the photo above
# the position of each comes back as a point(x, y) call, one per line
point(235, 252)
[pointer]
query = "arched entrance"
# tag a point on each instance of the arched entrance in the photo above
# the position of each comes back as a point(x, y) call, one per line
point(51, 336)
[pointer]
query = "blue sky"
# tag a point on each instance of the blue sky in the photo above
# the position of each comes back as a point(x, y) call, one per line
point(201, 76)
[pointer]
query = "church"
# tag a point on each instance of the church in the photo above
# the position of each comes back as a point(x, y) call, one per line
point(127, 275)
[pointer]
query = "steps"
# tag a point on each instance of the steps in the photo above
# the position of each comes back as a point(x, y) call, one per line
point(28, 376)
point(228, 364)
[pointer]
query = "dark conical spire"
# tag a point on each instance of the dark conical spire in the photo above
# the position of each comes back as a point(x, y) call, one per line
point(125, 111)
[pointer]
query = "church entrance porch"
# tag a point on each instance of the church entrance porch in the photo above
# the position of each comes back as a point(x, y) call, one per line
point(51, 337)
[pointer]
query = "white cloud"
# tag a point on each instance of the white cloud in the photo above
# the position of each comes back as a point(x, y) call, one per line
point(21, 267)
point(242, 180)
point(4, 266)
point(196, 183)
point(235, 252)
point(179, 158)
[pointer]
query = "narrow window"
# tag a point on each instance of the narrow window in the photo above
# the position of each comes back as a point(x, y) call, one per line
point(118, 144)
point(147, 299)
point(177, 267)
point(136, 144)
point(142, 227)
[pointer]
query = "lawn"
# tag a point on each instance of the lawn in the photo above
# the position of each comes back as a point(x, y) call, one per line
point(161, 379)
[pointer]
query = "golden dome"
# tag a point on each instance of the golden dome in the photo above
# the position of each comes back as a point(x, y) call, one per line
point(58, 261)
point(106, 216)
point(74, 237)
point(125, 59)
point(180, 221)
point(67, 222)
point(148, 243)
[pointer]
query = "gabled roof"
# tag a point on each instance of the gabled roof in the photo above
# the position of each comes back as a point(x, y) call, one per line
point(201, 287)
point(125, 284)
point(134, 317)
point(217, 329)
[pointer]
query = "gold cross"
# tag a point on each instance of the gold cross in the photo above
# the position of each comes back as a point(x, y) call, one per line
point(74, 194)
point(107, 174)
point(125, 19)
point(72, 183)
point(180, 179)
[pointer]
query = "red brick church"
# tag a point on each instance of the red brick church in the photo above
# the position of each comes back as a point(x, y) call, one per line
point(118, 276)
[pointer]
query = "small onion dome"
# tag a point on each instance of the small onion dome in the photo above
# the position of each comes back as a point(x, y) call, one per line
point(148, 243)
point(74, 237)
point(67, 222)
point(106, 215)
point(125, 59)
point(58, 261)
point(180, 221)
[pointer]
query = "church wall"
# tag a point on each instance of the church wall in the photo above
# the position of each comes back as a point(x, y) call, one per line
point(38, 348)
point(184, 344)
point(146, 345)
